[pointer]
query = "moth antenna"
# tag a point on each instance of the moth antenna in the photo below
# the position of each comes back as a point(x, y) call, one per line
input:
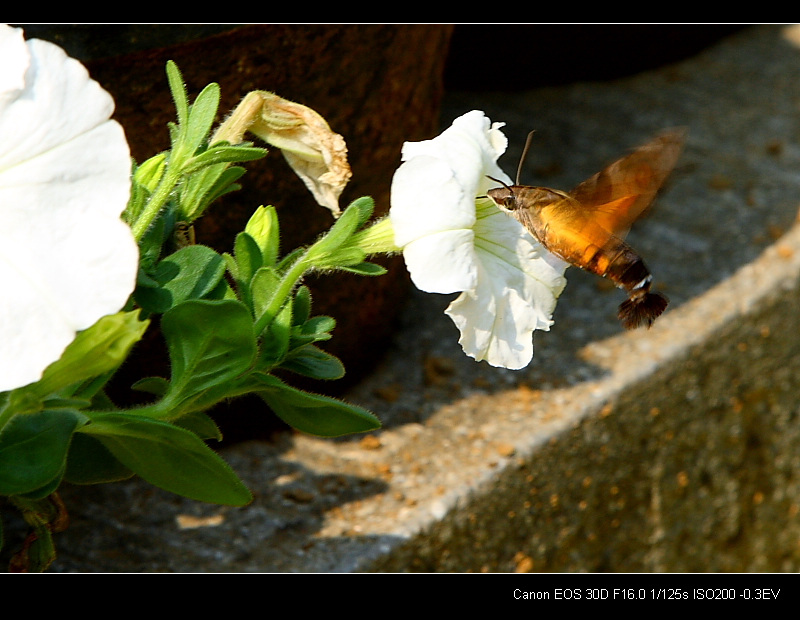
point(524, 155)
point(501, 183)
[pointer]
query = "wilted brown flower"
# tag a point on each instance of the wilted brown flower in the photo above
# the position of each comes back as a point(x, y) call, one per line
point(312, 149)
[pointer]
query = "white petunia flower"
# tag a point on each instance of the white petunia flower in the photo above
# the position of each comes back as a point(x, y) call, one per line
point(66, 257)
point(454, 239)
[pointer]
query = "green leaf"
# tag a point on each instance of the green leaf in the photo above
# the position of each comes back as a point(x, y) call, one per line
point(33, 450)
point(365, 206)
point(341, 247)
point(263, 287)
point(248, 259)
point(95, 351)
point(366, 269)
point(201, 425)
point(203, 187)
point(311, 361)
point(315, 329)
point(148, 174)
point(190, 273)
point(209, 343)
point(178, 90)
point(338, 234)
point(290, 259)
point(313, 413)
point(201, 117)
point(230, 264)
point(169, 457)
point(90, 462)
point(346, 257)
point(157, 386)
point(91, 390)
point(223, 290)
point(146, 178)
point(44, 516)
point(332, 250)
point(301, 305)
point(223, 155)
point(275, 339)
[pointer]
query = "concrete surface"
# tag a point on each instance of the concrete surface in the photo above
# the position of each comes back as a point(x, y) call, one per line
point(674, 449)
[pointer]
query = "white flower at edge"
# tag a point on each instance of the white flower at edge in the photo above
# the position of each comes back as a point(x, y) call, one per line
point(454, 239)
point(66, 257)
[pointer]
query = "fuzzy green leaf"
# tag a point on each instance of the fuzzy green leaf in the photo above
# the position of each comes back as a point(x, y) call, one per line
point(314, 414)
point(95, 351)
point(311, 361)
point(203, 187)
point(263, 288)
point(178, 90)
point(365, 206)
point(190, 273)
point(209, 343)
point(320, 253)
point(223, 155)
point(366, 269)
point(33, 450)
point(169, 457)
point(249, 258)
point(201, 117)
point(275, 340)
point(301, 305)
point(89, 462)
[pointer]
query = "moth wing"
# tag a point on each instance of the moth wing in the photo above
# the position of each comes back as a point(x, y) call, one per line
point(619, 194)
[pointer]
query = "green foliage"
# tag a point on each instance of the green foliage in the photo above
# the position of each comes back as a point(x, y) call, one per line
point(302, 410)
point(192, 272)
point(230, 321)
point(33, 451)
point(183, 182)
point(169, 457)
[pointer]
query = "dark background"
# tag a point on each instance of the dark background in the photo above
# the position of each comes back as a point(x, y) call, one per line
point(481, 57)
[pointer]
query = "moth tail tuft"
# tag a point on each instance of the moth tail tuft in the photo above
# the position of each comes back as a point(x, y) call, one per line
point(642, 310)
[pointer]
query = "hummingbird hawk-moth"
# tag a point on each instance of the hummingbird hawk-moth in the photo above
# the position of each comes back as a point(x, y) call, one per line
point(587, 225)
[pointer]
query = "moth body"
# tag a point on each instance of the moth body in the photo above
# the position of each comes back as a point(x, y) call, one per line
point(586, 227)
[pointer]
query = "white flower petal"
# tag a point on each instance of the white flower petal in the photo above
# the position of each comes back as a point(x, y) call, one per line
point(66, 257)
point(470, 147)
point(443, 263)
point(16, 60)
point(427, 198)
point(516, 293)
point(58, 102)
point(434, 189)
point(494, 328)
point(510, 255)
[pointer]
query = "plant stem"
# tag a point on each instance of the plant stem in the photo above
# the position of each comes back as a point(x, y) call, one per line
point(285, 287)
point(155, 203)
